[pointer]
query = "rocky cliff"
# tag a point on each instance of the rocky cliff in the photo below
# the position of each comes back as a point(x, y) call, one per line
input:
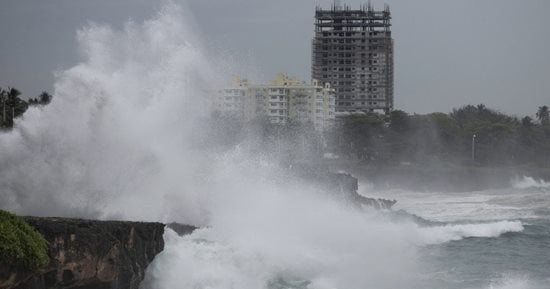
point(87, 254)
point(342, 184)
point(347, 185)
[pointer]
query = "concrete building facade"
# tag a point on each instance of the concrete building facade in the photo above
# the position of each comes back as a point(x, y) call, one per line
point(353, 51)
point(282, 100)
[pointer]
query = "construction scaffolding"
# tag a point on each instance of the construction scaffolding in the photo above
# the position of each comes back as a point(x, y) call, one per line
point(353, 51)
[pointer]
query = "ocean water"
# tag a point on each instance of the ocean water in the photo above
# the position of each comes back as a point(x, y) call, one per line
point(125, 138)
point(511, 258)
point(486, 239)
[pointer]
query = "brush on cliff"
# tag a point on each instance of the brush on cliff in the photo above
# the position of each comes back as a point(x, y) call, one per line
point(20, 245)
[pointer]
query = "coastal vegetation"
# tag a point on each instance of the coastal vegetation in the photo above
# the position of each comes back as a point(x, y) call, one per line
point(21, 246)
point(13, 106)
point(467, 135)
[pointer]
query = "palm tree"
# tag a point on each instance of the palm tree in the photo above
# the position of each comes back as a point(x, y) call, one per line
point(3, 97)
point(13, 93)
point(481, 108)
point(543, 115)
point(44, 98)
point(13, 98)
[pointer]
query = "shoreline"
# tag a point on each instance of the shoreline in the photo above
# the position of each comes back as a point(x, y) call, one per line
point(444, 177)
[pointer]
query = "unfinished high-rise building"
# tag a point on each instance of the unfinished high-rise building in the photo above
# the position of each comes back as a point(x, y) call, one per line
point(353, 51)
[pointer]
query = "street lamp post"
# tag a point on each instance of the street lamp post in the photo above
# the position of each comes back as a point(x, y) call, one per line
point(473, 147)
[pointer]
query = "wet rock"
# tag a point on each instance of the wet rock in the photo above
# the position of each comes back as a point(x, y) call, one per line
point(86, 254)
point(181, 229)
point(341, 184)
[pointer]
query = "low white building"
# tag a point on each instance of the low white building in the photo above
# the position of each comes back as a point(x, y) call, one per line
point(284, 98)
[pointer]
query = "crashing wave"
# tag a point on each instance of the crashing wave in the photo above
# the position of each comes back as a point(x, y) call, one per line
point(529, 182)
point(455, 232)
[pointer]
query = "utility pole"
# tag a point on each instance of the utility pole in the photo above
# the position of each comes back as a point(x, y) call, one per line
point(473, 147)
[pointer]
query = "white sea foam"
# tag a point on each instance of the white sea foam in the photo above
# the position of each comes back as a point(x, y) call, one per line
point(529, 182)
point(454, 232)
point(512, 281)
point(291, 237)
point(332, 248)
point(489, 205)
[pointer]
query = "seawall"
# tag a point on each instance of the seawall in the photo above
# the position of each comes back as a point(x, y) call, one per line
point(89, 254)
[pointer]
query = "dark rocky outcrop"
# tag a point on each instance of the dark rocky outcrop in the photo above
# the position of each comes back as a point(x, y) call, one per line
point(342, 184)
point(181, 229)
point(88, 254)
point(347, 185)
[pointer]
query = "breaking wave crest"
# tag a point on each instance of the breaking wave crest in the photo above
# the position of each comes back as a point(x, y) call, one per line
point(529, 182)
point(455, 232)
point(515, 282)
point(323, 257)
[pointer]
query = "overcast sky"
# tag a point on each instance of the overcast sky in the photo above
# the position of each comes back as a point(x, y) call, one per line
point(447, 53)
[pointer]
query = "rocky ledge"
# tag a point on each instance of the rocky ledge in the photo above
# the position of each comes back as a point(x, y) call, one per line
point(86, 254)
point(341, 184)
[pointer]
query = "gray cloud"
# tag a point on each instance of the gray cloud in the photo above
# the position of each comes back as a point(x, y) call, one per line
point(447, 54)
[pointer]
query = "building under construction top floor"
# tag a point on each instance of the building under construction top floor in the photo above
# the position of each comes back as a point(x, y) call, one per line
point(353, 51)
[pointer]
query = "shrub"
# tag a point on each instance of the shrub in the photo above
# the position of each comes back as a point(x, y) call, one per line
point(20, 245)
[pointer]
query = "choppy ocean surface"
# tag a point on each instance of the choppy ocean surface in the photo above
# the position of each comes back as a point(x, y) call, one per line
point(499, 257)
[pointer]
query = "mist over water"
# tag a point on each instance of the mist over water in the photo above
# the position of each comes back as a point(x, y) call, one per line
point(127, 137)
point(119, 138)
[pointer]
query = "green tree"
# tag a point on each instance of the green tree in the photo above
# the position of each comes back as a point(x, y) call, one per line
point(20, 245)
point(399, 121)
point(527, 122)
point(361, 136)
point(44, 98)
point(12, 106)
point(4, 99)
point(543, 115)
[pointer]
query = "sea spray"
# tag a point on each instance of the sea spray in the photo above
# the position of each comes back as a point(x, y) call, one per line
point(289, 238)
point(117, 141)
point(528, 182)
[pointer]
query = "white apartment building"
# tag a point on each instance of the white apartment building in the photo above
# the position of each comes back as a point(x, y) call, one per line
point(231, 100)
point(283, 99)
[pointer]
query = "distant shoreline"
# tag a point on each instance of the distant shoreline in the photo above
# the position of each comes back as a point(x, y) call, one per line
point(440, 177)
